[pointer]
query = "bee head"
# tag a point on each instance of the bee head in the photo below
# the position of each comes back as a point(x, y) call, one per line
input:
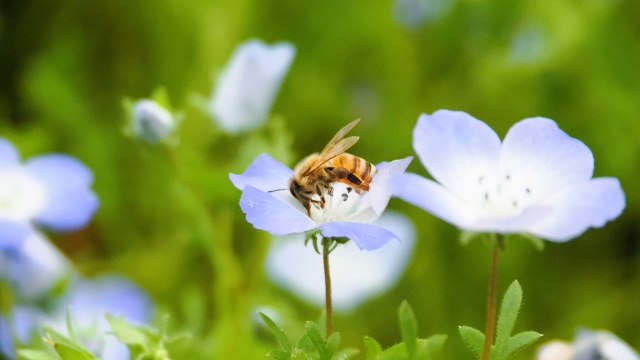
point(294, 188)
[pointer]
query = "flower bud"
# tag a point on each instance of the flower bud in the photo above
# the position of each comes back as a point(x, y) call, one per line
point(151, 122)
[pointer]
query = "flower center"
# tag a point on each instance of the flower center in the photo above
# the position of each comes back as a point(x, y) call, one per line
point(21, 196)
point(342, 203)
point(501, 197)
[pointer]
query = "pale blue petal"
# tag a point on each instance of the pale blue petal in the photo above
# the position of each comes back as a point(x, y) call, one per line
point(9, 155)
point(536, 152)
point(264, 173)
point(117, 295)
point(380, 192)
point(71, 203)
point(457, 149)
point(13, 234)
point(267, 212)
point(434, 198)
point(366, 236)
point(574, 210)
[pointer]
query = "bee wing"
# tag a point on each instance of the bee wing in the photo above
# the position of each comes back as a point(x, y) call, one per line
point(337, 149)
point(338, 136)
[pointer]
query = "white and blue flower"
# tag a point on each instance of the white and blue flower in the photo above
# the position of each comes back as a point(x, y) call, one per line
point(151, 122)
point(588, 345)
point(248, 85)
point(346, 214)
point(52, 190)
point(537, 181)
point(357, 275)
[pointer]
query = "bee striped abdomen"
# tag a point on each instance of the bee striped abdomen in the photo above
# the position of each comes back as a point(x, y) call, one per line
point(351, 170)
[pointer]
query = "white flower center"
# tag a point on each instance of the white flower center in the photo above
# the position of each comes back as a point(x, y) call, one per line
point(21, 196)
point(501, 197)
point(343, 203)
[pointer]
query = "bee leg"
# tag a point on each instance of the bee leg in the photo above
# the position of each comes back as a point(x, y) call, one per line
point(340, 173)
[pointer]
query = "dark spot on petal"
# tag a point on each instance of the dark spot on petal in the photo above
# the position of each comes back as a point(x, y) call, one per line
point(527, 190)
point(515, 203)
point(345, 197)
point(349, 189)
point(486, 196)
point(508, 177)
point(480, 179)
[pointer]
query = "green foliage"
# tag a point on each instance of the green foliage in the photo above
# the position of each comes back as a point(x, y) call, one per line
point(144, 342)
point(505, 345)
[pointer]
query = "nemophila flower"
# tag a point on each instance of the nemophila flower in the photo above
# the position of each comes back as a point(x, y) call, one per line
point(151, 122)
point(356, 275)
point(247, 87)
point(537, 181)
point(34, 266)
point(52, 190)
point(586, 346)
point(87, 301)
point(347, 213)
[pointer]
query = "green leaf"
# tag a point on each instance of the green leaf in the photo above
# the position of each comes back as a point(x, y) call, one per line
point(275, 330)
point(372, 348)
point(332, 345)
point(28, 354)
point(72, 333)
point(66, 348)
point(468, 236)
point(521, 340)
point(507, 318)
point(408, 328)
point(473, 338)
point(279, 354)
point(316, 338)
point(131, 334)
point(427, 348)
point(345, 354)
point(537, 242)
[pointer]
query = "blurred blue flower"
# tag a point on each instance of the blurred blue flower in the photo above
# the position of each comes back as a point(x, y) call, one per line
point(346, 214)
point(34, 267)
point(151, 122)
point(588, 345)
point(247, 86)
point(51, 190)
point(87, 301)
point(356, 275)
point(537, 181)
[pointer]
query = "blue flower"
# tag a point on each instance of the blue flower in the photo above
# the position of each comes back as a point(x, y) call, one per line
point(34, 267)
point(51, 190)
point(247, 86)
point(88, 301)
point(151, 122)
point(587, 345)
point(356, 275)
point(537, 181)
point(346, 214)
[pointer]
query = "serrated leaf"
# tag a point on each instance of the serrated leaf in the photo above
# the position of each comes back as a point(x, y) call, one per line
point(305, 344)
point(279, 354)
point(508, 315)
point(65, 347)
point(28, 354)
point(316, 338)
point(282, 338)
point(408, 328)
point(372, 348)
point(520, 341)
point(473, 338)
point(332, 345)
point(131, 334)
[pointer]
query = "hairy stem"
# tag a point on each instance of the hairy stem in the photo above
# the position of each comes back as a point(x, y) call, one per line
point(326, 243)
point(490, 328)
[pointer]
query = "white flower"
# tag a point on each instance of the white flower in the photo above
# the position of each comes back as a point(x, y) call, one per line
point(355, 275)
point(537, 181)
point(151, 122)
point(588, 345)
point(248, 85)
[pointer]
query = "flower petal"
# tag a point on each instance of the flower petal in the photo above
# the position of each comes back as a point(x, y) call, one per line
point(13, 234)
point(249, 83)
point(537, 152)
point(268, 212)
point(366, 236)
point(585, 205)
point(8, 153)
point(265, 173)
point(380, 192)
point(432, 197)
point(356, 275)
point(71, 203)
point(456, 148)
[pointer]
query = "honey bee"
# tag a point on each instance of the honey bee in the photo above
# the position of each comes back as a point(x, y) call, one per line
point(315, 173)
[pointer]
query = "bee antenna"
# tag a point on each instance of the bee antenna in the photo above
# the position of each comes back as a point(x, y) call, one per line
point(270, 191)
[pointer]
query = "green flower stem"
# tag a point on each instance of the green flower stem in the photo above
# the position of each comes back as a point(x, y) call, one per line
point(490, 328)
point(326, 249)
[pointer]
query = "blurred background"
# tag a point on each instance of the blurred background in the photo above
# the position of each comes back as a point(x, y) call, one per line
point(169, 217)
